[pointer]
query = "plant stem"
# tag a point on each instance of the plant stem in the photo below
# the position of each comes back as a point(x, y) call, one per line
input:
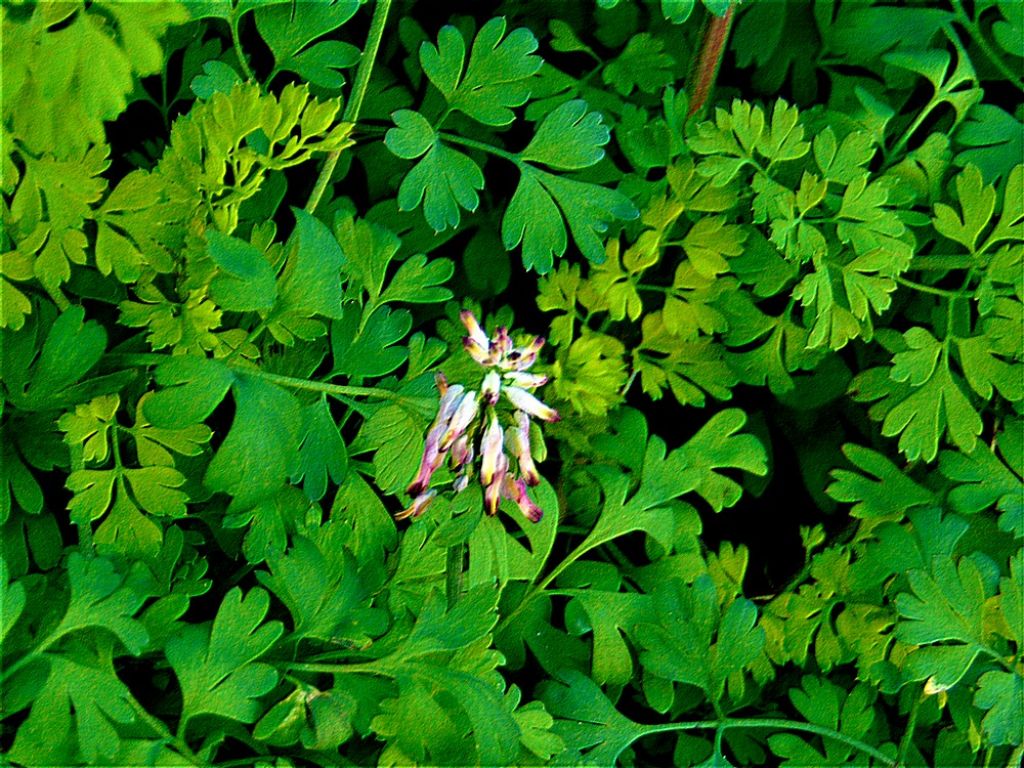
point(708, 59)
point(237, 43)
point(787, 725)
point(355, 101)
point(483, 147)
point(986, 48)
point(330, 389)
point(338, 390)
point(337, 669)
point(929, 289)
point(908, 733)
point(453, 573)
point(161, 728)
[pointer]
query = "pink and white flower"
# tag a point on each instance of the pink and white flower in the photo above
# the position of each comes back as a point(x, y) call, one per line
point(463, 414)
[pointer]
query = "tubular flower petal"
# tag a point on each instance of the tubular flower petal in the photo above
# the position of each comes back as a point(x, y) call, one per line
point(521, 358)
point(428, 465)
point(491, 387)
point(432, 453)
point(527, 380)
point(450, 399)
point(419, 504)
point(468, 408)
point(515, 489)
point(480, 353)
point(501, 344)
point(462, 452)
point(492, 494)
point(525, 401)
point(519, 440)
point(476, 333)
point(491, 448)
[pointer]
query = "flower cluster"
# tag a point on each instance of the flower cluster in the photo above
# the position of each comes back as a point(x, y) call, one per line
point(463, 413)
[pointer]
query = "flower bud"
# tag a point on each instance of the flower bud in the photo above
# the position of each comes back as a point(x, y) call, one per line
point(491, 449)
point(515, 490)
point(492, 494)
point(467, 410)
point(476, 333)
point(519, 444)
point(419, 504)
point(461, 452)
point(491, 388)
point(527, 380)
point(525, 401)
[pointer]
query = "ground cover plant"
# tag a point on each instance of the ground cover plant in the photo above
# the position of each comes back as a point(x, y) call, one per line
point(597, 382)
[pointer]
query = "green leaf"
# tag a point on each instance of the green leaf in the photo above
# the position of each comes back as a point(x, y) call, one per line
point(991, 139)
point(216, 664)
point(417, 281)
point(261, 450)
point(101, 598)
point(76, 711)
point(591, 727)
point(288, 34)
point(717, 445)
point(677, 11)
point(217, 77)
point(919, 398)
point(569, 138)
point(944, 615)
point(977, 202)
point(608, 616)
point(71, 349)
point(825, 704)
point(687, 368)
point(310, 284)
point(982, 480)
point(534, 217)
point(709, 240)
point(643, 64)
point(444, 181)
point(1002, 694)
point(318, 580)
point(496, 77)
point(883, 490)
point(246, 280)
point(366, 343)
point(693, 642)
point(193, 388)
point(742, 134)
point(322, 451)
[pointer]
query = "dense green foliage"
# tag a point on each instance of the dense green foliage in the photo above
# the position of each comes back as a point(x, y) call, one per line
point(236, 239)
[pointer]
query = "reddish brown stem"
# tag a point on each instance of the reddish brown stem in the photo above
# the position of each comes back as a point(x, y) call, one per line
point(707, 59)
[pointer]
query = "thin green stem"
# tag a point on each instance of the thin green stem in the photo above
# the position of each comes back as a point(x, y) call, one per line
point(330, 389)
point(776, 724)
point(483, 147)
point(911, 129)
point(161, 728)
point(908, 732)
point(453, 573)
point(57, 296)
point(355, 100)
point(941, 262)
point(370, 668)
point(979, 38)
point(236, 42)
point(929, 289)
point(338, 390)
